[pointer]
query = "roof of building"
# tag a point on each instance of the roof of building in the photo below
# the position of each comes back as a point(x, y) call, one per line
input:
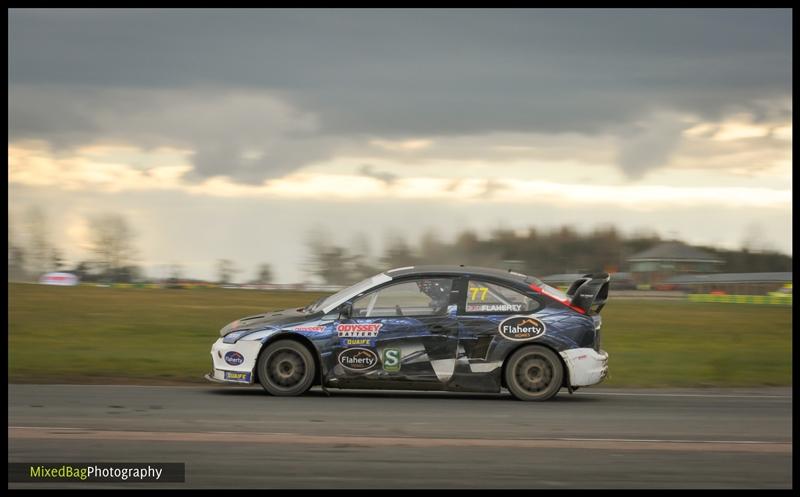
point(570, 277)
point(561, 278)
point(674, 251)
point(697, 279)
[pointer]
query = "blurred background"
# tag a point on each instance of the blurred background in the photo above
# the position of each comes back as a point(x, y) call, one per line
point(302, 151)
point(170, 171)
point(295, 152)
point(274, 137)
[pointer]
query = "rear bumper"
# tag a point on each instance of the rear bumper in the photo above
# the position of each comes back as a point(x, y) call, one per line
point(586, 366)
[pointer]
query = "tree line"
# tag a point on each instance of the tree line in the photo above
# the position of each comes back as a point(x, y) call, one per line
point(531, 251)
point(32, 252)
point(113, 254)
point(111, 246)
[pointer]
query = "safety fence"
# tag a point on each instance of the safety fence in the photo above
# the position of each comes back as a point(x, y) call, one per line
point(741, 299)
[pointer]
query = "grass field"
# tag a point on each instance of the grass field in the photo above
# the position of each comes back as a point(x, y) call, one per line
point(93, 334)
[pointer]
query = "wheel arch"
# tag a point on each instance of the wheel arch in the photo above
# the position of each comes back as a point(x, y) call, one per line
point(565, 381)
point(297, 338)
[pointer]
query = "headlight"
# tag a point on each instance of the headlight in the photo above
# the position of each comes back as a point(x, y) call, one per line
point(233, 336)
point(228, 327)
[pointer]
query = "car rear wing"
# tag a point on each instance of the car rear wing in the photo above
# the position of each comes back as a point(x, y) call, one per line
point(589, 292)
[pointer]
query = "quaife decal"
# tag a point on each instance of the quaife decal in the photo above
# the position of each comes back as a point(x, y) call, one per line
point(352, 342)
point(391, 359)
point(234, 358)
point(237, 376)
point(315, 329)
point(358, 359)
point(358, 330)
point(521, 328)
point(494, 307)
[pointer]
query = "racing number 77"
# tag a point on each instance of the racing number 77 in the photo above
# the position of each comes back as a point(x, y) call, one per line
point(475, 291)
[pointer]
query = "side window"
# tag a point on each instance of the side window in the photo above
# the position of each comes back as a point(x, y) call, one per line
point(423, 297)
point(492, 298)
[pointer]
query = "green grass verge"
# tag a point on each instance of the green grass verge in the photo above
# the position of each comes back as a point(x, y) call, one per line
point(687, 344)
point(91, 334)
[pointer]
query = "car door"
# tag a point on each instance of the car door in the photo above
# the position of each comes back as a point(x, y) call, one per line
point(484, 305)
point(401, 335)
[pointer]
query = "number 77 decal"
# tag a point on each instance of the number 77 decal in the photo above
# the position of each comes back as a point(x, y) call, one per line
point(475, 291)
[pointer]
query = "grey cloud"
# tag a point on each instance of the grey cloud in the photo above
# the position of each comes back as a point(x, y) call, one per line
point(453, 185)
point(370, 172)
point(245, 134)
point(490, 187)
point(650, 146)
point(394, 74)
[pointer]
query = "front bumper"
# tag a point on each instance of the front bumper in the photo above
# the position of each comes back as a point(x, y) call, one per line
point(229, 377)
point(224, 372)
point(586, 366)
point(210, 377)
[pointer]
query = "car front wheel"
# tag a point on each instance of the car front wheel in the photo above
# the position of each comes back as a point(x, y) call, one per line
point(286, 368)
point(534, 373)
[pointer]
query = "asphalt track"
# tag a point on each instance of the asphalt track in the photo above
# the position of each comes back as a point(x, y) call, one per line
point(240, 437)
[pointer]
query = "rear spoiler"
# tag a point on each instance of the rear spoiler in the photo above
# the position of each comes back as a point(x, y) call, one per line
point(589, 292)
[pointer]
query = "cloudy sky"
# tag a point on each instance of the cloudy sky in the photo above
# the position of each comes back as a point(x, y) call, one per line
point(240, 134)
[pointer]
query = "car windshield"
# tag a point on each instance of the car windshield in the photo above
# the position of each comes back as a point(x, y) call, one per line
point(329, 303)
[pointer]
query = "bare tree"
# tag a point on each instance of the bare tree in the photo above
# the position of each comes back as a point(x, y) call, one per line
point(83, 270)
point(332, 263)
point(225, 271)
point(112, 244)
point(336, 265)
point(56, 260)
point(264, 275)
point(16, 258)
point(398, 253)
point(316, 245)
point(175, 271)
point(38, 246)
point(16, 264)
point(754, 239)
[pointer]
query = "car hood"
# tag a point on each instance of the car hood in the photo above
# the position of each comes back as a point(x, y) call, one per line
point(270, 319)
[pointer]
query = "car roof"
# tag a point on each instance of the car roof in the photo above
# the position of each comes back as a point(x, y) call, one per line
point(460, 270)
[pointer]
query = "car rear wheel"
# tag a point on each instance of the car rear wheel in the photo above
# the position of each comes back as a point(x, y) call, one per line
point(534, 373)
point(286, 368)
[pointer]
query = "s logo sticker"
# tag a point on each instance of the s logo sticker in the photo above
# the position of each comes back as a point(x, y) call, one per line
point(391, 359)
point(521, 328)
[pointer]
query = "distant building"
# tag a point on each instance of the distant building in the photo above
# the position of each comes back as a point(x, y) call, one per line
point(59, 278)
point(731, 283)
point(665, 260)
point(561, 280)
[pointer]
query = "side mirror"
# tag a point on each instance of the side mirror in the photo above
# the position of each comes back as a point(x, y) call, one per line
point(346, 310)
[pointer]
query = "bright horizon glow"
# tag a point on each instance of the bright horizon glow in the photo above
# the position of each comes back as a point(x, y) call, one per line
point(39, 168)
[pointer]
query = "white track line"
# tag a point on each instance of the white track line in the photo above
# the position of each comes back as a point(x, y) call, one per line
point(21, 432)
point(731, 396)
point(354, 435)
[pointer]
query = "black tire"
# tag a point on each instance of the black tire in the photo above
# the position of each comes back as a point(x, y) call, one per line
point(534, 373)
point(286, 368)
